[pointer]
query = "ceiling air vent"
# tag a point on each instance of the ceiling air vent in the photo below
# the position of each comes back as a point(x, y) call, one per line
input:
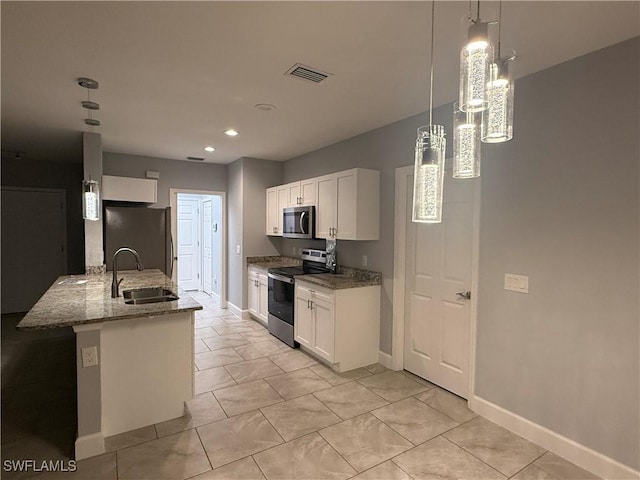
point(199, 159)
point(307, 73)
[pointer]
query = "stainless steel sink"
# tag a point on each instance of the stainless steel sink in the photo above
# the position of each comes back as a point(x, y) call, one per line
point(137, 296)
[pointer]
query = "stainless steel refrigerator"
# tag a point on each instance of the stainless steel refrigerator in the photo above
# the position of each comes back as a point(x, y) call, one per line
point(146, 230)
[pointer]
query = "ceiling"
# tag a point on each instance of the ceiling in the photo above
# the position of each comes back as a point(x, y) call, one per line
point(174, 75)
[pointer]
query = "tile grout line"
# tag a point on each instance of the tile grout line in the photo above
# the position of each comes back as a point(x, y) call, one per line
point(532, 463)
point(479, 459)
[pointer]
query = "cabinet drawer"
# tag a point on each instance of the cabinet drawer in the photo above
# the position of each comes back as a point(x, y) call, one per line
point(310, 291)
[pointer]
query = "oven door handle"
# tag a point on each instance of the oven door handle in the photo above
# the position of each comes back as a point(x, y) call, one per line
point(280, 278)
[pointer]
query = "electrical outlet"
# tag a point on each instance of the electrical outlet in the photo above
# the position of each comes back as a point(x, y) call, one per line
point(238, 249)
point(364, 260)
point(89, 356)
point(516, 283)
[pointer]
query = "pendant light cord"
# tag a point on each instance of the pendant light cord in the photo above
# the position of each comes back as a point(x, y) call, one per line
point(433, 9)
point(499, 27)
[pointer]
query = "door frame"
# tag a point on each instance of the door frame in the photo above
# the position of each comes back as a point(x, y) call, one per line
point(399, 272)
point(173, 203)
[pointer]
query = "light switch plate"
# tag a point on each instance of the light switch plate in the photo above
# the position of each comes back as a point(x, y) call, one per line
point(89, 356)
point(516, 283)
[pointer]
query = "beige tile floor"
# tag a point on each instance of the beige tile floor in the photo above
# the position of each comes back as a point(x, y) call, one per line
point(262, 411)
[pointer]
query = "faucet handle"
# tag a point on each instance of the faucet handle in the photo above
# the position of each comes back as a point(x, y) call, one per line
point(120, 281)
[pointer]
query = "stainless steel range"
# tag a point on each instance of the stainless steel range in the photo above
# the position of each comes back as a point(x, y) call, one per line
point(282, 293)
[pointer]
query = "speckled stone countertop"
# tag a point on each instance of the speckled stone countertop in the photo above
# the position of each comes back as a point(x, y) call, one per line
point(346, 277)
point(69, 304)
point(273, 261)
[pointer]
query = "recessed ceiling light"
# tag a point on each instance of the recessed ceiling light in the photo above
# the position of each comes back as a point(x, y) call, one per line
point(231, 132)
point(210, 149)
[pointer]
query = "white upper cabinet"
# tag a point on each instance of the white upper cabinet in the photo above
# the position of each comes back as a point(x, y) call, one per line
point(326, 206)
point(302, 193)
point(272, 211)
point(277, 199)
point(308, 192)
point(127, 189)
point(347, 204)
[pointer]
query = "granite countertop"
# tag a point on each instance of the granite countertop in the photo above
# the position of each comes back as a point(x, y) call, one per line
point(273, 262)
point(67, 304)
point(346, 277)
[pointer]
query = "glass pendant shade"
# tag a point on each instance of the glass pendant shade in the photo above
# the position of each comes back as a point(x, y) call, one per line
point(497, 119)
point(475, 60)
point(466, 143)
point(428, 179)
point(90, 200)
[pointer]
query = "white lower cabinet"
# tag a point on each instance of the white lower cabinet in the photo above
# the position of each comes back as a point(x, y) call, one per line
point(257, 293)
point(341, 327)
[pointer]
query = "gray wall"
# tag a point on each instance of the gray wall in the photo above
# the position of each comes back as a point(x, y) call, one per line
point(235, 267)
point(383, 149)
point(560, 204)
point(173, 174)
point(248, 180)
point(65, 175)
point(92, 166)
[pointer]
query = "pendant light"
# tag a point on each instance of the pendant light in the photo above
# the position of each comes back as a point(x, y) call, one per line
point(466, 143)
point(90, 200)
point(428, 178)
point(475, 59)
point(497, 119)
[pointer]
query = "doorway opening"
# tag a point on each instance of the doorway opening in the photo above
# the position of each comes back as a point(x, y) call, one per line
point(198, 224)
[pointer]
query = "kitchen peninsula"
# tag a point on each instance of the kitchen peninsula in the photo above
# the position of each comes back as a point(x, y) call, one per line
point(134, 362)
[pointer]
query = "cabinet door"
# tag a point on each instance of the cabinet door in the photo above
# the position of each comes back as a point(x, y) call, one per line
point(283, 202)
point(326, 200)
point(323, 335)
point(294, 196)
point(272, 211)
point(263, 290)
point(308, 191)
point(252, 293)
point(347, 204)
point(303, 326)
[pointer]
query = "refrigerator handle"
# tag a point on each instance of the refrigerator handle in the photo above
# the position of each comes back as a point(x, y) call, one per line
point(172, 257)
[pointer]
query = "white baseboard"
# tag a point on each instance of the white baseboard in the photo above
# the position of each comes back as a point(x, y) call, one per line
point(571, 450)
point(244, 314)
point(89, 446)
point(385, 359)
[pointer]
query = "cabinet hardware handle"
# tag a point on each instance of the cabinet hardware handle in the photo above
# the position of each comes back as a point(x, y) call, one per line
point(308, 304)
point(311, 304)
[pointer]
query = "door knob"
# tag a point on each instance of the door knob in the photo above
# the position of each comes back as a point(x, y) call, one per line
point(466, 295)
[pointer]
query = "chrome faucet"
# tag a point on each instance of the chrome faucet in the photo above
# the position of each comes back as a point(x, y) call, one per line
point(115, 283)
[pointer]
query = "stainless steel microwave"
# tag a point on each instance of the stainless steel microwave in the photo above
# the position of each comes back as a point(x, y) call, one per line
point(299, 222)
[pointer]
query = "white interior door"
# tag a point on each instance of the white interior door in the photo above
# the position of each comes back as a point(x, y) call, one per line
point(207, 244)
point(438, 266)
point(216, 243)
point(188, 244)
point(34, 251)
